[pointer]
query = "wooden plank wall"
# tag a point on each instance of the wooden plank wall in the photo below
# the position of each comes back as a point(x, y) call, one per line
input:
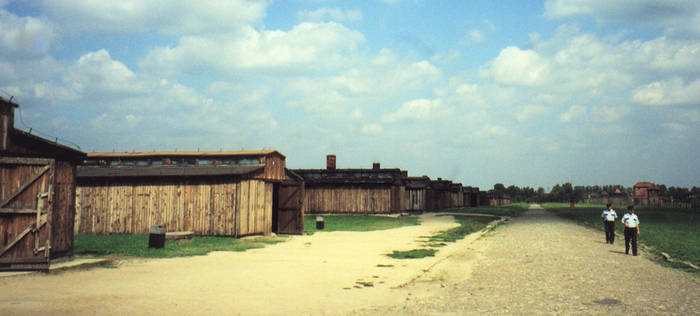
point(399, 203)
point(207, 207)
point(443, 200)
point(63, 215)
point(347, 200)
point(457, 199)
point(274, 168)
point(13, 177)
point(416, 199)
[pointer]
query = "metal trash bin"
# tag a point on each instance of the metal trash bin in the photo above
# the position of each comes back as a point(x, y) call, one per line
point(156, 237)
point(319, 222)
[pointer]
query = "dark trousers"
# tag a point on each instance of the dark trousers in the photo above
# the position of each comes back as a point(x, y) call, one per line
point(609, 231)
point(631, 236)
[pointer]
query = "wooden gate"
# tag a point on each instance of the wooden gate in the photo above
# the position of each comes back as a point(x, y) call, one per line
point(288, 217)
point(26, 205)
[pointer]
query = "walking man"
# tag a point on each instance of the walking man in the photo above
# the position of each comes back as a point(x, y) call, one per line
point(631, 230)
point(609, 217)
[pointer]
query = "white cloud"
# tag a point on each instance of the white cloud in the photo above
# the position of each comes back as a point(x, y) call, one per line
point(306, 46)
point(371, 129)
point(528, 112)
point(668, 92)
point(24, 37)
point(575, 112)
point(514, 66)
point(419, 109)
point(676, 127)
point(332, 14)
point(128, 16)
point(95, 73)
point(609, 114)
point(691, 116)
point(476, 36)
point(384, 77)
point(489, 130)
point(675, 17)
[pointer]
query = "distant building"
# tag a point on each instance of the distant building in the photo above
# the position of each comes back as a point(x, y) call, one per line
point(646, 194)
point(417, 191)
point(37, 190)
point(220, 193)
point(353, 191)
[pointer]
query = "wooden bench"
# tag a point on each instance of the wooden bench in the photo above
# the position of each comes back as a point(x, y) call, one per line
point(179, 235)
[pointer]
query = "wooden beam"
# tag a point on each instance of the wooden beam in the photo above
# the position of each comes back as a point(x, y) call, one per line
point(17, 211)
point(24, 186)
point(22, 234)
point(179, 235)
point(24, 161)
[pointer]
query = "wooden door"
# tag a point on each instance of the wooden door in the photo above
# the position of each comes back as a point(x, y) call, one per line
point(288, 217)
point(26, 204)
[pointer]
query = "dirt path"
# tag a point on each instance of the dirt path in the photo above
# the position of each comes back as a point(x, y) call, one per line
point(534, 264)
point(541, 264)
point(331, 273)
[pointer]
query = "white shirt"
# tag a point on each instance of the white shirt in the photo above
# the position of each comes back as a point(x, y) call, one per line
point(631, 220)
point(609, 215)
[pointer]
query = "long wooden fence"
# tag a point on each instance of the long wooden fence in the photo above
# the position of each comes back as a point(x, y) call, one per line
point(207, 207)
point(351, 200)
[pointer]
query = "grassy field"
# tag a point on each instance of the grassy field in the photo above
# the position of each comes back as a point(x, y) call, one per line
point(467, 225)
point(413, 254)
point(670, 230)
point(511, 210)
point(357, 223)
point(137, 245)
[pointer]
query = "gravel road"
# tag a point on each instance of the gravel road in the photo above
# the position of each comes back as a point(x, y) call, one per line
point(541, 264)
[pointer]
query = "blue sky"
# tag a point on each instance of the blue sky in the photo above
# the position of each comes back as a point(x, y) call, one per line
point(480, 92)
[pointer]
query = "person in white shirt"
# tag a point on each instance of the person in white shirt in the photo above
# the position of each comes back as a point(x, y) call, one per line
point(609, 216)
point(631, 222)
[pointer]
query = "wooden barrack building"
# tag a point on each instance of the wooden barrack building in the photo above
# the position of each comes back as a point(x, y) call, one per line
point(224, 193)
point(37, 196)
point(471, 196)
point(418, 191)
point(353, 191)
point(457, 196)
point(441, 194)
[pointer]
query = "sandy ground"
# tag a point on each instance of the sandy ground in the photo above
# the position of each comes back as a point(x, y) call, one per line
point(325, 273)
point(539, 264)
point(534, 264)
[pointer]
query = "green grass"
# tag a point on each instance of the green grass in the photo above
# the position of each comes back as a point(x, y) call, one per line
point(467, 225)
point(357, 223)
point(137, 245)
point(511, 210)
point(671, 230)
point(413, 254)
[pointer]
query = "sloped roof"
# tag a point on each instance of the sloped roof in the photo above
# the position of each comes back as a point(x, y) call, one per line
point(37, 146)
point(85, 172)
point(99, 155)
point(648, 185)
point(444, 185)
point(349, 176)
point(417, 182)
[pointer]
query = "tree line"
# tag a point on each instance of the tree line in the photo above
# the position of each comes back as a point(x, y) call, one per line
point(567, 192)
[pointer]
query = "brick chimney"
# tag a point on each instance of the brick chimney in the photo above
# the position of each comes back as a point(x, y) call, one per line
point(330, 162)
point(375, 166)
point(404, 173)
point(7, 122)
